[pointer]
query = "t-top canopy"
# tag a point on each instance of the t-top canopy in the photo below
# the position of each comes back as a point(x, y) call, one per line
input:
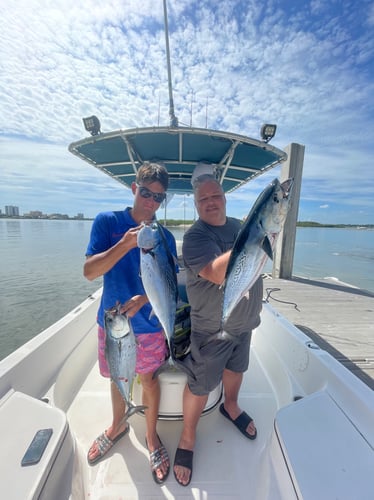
point(236, 159)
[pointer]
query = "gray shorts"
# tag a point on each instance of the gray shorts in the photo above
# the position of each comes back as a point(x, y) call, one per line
point(208, 360)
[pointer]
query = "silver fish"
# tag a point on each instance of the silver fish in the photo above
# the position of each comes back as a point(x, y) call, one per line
point(157, 268)
point(255, 243)
point(120, 351)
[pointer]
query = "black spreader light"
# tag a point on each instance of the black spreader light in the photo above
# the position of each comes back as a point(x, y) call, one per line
point(268, 132)
point(92, 125)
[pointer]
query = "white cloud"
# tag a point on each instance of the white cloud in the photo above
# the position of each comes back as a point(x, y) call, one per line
point(239, 64)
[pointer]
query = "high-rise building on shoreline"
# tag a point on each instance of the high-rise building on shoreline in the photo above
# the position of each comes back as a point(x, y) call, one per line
point(11, 210)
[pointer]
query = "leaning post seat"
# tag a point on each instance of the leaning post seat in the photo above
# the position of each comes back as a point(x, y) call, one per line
point(172, 378)
point(172, 383)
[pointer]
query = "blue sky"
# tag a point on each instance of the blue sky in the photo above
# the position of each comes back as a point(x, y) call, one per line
point(307, 66)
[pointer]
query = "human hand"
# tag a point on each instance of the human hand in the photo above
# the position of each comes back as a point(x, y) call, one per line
point(132, 306)
point(130, 238)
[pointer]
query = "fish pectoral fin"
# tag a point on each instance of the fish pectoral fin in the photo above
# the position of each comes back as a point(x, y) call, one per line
point(151, 314)
point(267, 248)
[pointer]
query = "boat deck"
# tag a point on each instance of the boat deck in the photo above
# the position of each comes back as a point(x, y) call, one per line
point(220, 472)
point(226, 464)
point(338, 318)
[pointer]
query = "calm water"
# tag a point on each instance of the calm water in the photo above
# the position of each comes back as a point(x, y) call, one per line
point(41, 276)
point(41, 269)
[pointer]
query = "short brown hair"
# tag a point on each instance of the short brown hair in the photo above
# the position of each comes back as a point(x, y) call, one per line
point(152, 172)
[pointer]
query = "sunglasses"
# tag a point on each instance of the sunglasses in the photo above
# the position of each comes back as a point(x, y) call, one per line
point(147, 193)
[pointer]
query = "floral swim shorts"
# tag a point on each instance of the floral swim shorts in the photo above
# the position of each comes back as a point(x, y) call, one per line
point(150, 353)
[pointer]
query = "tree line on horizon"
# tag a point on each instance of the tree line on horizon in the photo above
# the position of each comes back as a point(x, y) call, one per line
point(181, 222)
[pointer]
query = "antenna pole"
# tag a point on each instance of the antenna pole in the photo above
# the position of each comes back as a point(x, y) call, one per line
point(206, 113)
point(159, 105)
point(173, 118)
point(192, 96)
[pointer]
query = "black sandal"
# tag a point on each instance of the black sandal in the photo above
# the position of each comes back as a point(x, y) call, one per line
point(241, 422)
point(183, 458)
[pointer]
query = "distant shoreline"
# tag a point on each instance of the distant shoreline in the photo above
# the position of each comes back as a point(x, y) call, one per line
point(52, 217)
point(187, 223)
point(343, 226)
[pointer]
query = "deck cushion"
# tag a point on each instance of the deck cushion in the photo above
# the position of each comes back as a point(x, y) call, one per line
point(324, 451)
point(21, 416)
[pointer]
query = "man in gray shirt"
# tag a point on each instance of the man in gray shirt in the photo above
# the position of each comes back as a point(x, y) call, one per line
point(206, 251)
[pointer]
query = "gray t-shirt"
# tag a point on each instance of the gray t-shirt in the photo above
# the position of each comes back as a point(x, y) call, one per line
point(202, 243)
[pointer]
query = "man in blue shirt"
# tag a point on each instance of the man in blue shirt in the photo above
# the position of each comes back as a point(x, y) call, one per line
point(113, 253)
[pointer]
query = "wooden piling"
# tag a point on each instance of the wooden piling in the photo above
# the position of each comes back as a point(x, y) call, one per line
point(285, 246)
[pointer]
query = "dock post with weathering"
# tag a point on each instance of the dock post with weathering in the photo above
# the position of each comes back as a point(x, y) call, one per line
point(285, 246)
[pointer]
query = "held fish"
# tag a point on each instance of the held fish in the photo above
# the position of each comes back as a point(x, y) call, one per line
point(255, 243)
point(157, 268)
point(120, 351)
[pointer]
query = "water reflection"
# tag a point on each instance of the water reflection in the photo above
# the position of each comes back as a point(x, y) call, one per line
point(13, 228)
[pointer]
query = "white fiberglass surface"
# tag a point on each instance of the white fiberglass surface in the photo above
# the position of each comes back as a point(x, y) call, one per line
point(226, 464)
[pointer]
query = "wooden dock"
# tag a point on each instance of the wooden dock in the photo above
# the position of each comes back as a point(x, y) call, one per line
point(338, 318)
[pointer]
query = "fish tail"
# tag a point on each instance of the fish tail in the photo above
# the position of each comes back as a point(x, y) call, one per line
point(132, 409)
point(222, 334)
point(165, 366)
point(176, 364)
point(183, 366)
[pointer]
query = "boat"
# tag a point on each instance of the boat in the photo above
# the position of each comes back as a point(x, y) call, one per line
point(315, 419)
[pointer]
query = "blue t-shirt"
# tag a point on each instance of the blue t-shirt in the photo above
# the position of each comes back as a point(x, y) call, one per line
point(123, 281)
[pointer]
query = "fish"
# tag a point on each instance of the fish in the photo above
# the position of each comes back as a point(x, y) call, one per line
point(120, 352)
point(255, 243)
point(158, 274)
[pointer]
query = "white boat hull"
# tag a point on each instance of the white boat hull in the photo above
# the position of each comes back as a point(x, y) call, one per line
point(314, 420)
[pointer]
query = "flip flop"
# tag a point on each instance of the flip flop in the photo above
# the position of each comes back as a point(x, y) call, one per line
point(240, 422)
point(104, 444)
point(183, 458)
point(156, 459)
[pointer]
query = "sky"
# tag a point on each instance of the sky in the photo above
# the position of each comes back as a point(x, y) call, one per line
point(307, 66)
